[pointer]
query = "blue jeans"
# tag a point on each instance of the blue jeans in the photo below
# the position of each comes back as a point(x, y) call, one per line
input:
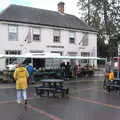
point(31, 80)
point(21, 94)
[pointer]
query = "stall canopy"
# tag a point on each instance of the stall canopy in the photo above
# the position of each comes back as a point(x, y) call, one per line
point(2, 55)
point(49, 55)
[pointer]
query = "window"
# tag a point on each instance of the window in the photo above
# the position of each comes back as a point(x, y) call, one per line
point(85, 40)
point(36, 34)
point(12, 52)
point(72, 53)
point(59, 52)
point(85, 54)
point(56, 35)
point(72, 37)
point(12, 32)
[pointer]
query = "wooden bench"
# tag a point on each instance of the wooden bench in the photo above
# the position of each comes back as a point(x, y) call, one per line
point(112, 87)
point(66, 90)
point(40, 90)
point(62, 90)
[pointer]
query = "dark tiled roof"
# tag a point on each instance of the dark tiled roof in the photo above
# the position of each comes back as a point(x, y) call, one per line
point(22, 14)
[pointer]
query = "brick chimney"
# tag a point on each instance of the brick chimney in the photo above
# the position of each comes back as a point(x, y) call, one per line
point(61, 7)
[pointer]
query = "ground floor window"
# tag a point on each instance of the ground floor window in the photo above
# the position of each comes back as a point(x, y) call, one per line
point(85, 54)
point(38, 63)
point(12, 60)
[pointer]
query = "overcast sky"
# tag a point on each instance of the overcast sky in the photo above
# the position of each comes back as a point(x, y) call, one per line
point(70, 5)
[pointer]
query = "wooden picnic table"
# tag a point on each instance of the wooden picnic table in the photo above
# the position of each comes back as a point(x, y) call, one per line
point(113, 85)
point(52, 85)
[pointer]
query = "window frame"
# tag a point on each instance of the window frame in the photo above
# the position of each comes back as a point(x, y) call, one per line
point(85, 39)
point(72, 41)
point(16, 36)
point(58, 37)
point(85, 54)
point(39, 29)
point(12, 52)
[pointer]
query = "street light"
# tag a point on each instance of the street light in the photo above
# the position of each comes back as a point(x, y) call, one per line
point(107, 38)
point(107, 42)
point(93, 55)
point(118, 63)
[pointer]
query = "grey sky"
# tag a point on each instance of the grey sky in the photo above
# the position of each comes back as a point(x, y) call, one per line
point(70, 5)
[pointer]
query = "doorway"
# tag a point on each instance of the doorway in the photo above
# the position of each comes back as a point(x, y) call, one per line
point(38, 63)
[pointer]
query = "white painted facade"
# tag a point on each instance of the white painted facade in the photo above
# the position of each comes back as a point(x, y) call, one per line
point(46, 43)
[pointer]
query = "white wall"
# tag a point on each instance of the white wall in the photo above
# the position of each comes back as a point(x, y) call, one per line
point(46, 40)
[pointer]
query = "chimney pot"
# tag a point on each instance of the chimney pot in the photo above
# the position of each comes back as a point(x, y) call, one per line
point(61, 7)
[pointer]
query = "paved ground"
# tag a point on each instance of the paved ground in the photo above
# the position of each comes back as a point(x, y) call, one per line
point(87, 101)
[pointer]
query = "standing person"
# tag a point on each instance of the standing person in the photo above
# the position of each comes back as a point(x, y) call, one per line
point(110, 80)
point(21, 75)
point(75, 70)
point(111, 76)
point(30, 70)
point(67, 71)
point(62, 66)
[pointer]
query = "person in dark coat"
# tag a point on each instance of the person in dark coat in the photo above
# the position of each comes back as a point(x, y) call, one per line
point(62, 66)
point(67, 71)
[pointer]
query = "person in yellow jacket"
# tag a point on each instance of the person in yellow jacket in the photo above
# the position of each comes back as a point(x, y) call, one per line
point(111, 76)
point(21, 75)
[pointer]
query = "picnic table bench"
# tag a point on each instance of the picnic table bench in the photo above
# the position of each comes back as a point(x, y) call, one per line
point(53, 86)
point(112, 85)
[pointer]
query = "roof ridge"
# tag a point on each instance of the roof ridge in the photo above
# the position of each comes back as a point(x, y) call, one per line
point(30, 7)
point(27, 14)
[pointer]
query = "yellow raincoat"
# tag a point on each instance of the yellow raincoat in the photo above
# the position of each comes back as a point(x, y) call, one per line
point(111, 76)
point(21, 75)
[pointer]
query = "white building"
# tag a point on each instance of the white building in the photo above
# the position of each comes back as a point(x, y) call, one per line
point(25, 29)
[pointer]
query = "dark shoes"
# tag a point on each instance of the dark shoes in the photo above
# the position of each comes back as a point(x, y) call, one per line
point(25, 101)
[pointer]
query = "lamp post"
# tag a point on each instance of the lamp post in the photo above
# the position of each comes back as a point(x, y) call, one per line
point(107, 42)
point(118, 60)
point(118, 49)
point(93, 55)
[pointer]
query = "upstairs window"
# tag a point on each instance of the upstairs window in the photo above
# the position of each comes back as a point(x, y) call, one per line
point(36, 34)
point(85, 40)
point(56, 36)
point(72, 37)
point(12, 32)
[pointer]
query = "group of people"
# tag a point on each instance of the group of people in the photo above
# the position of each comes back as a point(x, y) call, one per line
point(76, 70)
point(23, 76)
point(69, 70)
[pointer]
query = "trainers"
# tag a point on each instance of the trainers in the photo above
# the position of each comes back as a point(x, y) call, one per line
point(18, 101)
